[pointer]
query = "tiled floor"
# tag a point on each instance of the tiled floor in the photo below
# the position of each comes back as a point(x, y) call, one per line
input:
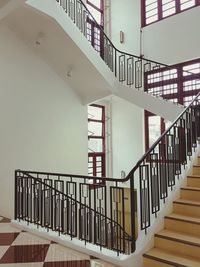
point(22, 249)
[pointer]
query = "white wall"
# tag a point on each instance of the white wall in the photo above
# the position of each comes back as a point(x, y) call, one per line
point(174, 39)
point(127, 135)
point(43, 123)
point(125, 16)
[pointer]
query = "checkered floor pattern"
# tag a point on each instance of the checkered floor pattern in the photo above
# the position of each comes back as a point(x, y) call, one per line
point(22, 249)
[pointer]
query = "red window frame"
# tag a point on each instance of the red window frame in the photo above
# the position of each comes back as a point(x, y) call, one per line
point(95, 156)
point(94, 30)
point(156, 81)
point(161, 9)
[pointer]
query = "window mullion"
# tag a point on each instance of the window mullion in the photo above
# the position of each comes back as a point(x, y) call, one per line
point(178, 6)
point(160, 10)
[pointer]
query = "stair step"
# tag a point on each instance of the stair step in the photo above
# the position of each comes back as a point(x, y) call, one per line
point(179, 236)
point(193, 180)
point(187, 207)
point(165, 258)
point(196, 169)
point(176, 242)
point(190, 192)
point(183, 223)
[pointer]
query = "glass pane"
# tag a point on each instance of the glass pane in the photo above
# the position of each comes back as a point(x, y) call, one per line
point(152, 19)
point(186, 4)
point(191, 85)
point(168, 7)
point(170, 89)
point(154, 129)
point(95, 145)
point(191, 69)
point(96, 3)
point(167, 124)
point(95, 13)
point(187, 100)
point(94, 128)
point(94, 113)
point(169, 74)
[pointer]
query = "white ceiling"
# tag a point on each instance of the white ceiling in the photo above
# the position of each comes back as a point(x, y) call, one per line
point(58, 50)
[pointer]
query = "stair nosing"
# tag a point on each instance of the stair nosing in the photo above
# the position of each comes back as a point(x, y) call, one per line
point(194, 176)
point(177, 240)
point(163, 260)
point(181, 220)
point(187, 204)
point(188, 188)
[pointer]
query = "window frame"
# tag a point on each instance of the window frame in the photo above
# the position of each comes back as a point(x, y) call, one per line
point(103, 137)
point(179, 95)
point(95, 28)
point(160, 11)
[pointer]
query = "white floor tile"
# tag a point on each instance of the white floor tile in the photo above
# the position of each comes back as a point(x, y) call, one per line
point(60, 253)
point(25, 238)
point(7, 228)
point(100, 263)
point(37, 264)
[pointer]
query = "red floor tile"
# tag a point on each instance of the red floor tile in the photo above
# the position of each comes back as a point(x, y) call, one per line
point(6, 239)
point(22, 254)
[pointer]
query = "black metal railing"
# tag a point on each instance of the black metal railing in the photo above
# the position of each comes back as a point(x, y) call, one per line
point(103, 211)
point(159, 169)
point(129, 69)
point(71, 205)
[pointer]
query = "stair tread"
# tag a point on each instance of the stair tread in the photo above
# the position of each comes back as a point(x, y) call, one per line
point(187, 201)
point(193, 176)
point(193, 188)
point(184, 217)
point(179, 236)
point(170, 258)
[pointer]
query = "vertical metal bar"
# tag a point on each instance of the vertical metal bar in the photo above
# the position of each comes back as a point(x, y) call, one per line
point(133, 218)
point(16, 195)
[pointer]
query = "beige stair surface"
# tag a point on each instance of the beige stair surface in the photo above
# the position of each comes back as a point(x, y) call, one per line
point(179, 243)
point(189, 192)
point(193, 180)
point(196, 169)
point(182, 245)
point(160, 257)
point(179, 236)
point(187, 207)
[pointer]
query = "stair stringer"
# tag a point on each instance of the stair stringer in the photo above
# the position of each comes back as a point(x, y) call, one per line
point(111, 85)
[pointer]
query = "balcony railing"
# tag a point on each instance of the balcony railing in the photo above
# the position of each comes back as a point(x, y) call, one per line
point(129, 69)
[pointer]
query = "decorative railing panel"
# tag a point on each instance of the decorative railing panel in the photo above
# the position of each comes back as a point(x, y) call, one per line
point(71, 205)
point(159, 169)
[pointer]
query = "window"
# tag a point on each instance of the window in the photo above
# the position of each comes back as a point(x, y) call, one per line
point(94, 34)
point(179, 84)
point(96, 141)
point(155, 10)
